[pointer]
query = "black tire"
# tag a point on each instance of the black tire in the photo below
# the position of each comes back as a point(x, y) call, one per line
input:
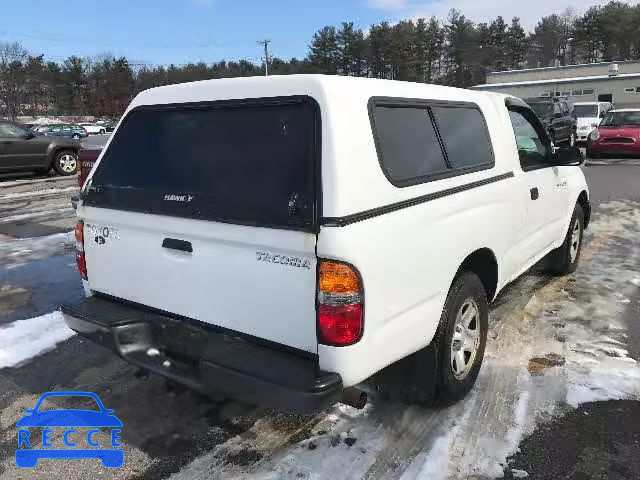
point(62, 162)
point(466, 288)
point(102, 131)
point(564, 259)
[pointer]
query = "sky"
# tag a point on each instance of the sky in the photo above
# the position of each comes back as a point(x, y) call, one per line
point(180, 31)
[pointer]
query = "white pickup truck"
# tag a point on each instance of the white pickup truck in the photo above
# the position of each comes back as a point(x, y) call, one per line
point(282, 239)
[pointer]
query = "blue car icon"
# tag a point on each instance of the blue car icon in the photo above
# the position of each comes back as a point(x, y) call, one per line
point(68, 419)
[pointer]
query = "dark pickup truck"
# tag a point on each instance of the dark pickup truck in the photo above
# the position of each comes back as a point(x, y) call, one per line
point(557, 117)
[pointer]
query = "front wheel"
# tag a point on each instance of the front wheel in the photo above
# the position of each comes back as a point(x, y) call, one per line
point(66, 163)
point(462, 337)
point(564, 260)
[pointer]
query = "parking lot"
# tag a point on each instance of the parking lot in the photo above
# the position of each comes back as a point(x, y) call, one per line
point(557, 397)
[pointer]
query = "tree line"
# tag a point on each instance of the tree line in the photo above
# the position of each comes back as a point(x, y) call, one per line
point(457, 51)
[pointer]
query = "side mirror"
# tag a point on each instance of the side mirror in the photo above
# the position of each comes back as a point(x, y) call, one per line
point(568, 156)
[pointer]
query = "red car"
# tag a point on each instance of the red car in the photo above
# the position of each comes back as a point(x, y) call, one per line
point(87, 158)
point(617, 134)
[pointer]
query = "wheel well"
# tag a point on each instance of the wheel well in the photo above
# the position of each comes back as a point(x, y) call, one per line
point(483, 263)
point(583, 201)
point(56, 151)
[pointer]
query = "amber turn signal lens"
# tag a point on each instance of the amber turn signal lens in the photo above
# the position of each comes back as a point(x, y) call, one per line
point(79, 232)
point(335, 277)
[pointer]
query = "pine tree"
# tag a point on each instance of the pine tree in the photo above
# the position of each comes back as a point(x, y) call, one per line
point(516, 45)
point(324, 51)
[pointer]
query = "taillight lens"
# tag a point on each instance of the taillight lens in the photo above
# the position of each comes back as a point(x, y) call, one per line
point(340, 304)
point(79, 233)
point(81, 261)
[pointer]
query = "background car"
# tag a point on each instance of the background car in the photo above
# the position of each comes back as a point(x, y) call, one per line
point(93, 128)
point(65, 130)
point(618, 133)
point(23, 150)
point(109, 125)
point(41, 128)
point(588, 116)
point(557, 117)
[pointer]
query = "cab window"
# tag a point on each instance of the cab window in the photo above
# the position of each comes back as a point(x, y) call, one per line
point(534, 147)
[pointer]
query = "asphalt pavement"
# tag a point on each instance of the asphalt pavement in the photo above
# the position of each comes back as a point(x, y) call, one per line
point(557, 397)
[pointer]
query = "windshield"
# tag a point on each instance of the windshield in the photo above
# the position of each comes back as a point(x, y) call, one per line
point(582, 111)
point(618, 119)
point(542, 109)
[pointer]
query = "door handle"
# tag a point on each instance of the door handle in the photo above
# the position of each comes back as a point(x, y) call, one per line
point(175, 244)
point(534, 193)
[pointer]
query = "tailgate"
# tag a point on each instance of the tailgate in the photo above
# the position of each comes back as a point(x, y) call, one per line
point(209, 212)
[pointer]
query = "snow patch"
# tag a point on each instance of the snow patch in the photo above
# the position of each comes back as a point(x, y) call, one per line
point(45, 214)
point(610, 379)
point(37, 246)
point(25, 339)
point(436, 465)
point(37, 193)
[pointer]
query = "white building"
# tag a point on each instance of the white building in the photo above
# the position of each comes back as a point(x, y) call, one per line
point(618, 83)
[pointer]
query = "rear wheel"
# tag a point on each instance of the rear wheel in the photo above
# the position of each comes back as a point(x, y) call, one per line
point(66, 163)
point(564, 259)
point(462, 337)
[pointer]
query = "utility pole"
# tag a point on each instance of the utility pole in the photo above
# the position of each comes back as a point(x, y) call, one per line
point(265, 43)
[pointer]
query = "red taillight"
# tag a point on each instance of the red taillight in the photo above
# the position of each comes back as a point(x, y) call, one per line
point(340, 324)
point(81, 261)
point(79, 233)
point(340, 304)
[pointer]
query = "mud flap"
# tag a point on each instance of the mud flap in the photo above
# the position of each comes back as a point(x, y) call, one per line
point(411, 380)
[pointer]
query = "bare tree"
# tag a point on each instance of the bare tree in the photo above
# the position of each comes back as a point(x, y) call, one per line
point(12, 76)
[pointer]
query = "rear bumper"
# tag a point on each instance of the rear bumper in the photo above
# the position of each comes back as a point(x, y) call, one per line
point(204, 358)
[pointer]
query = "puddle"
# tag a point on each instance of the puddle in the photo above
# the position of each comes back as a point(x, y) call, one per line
point(537, 365)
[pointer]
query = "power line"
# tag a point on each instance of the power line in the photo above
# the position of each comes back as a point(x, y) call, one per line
point(265, 43)
point(119, 42)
